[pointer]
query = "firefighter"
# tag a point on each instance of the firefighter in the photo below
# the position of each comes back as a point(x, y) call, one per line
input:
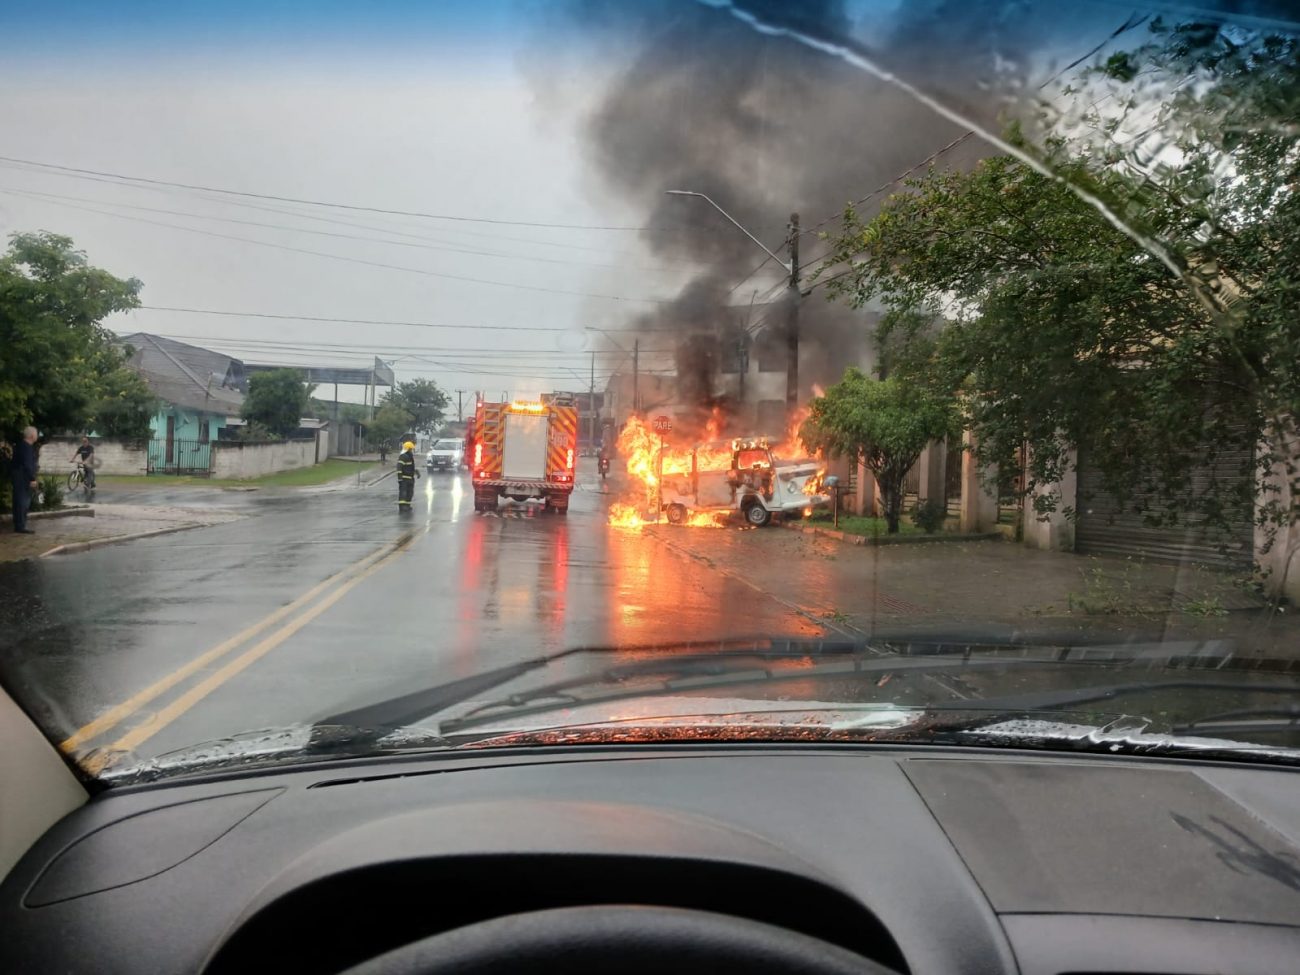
point(406, 475)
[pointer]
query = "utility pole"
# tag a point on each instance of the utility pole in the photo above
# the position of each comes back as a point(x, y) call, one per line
point(460, 409)
point(636, 377)
point(792, 324)
point(591, 406)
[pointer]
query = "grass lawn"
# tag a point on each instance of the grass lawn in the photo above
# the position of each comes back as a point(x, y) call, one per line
point(322, 473)
point(861, 525)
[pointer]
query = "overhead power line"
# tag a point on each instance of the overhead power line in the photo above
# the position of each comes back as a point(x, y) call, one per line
point(57, 197)
point(362, 262)
point(459, 218)
point(382, 321)
point(1132, 22)
point(301, 215)
point(580, 357)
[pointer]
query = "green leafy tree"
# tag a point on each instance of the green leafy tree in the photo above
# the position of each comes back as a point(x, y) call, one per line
point(347, 412)
point(58, 361)
point(388, 426)
point(884, 424)
point(123, 405)
point(422, 401)
point(277, 400)
point(1158, 333)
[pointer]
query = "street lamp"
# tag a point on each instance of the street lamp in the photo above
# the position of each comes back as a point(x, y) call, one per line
point(785, 264)
point(792, 269)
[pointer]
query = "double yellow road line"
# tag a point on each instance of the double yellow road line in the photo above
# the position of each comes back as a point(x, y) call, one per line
point(334, 588)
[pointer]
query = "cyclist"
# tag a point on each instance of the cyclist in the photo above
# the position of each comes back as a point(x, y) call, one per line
point(86, 453)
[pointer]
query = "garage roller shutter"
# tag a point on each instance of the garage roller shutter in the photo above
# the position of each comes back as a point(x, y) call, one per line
point(1106, 528)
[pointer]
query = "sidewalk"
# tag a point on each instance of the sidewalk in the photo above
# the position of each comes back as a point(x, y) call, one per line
point(990, 589)
point(109, 522)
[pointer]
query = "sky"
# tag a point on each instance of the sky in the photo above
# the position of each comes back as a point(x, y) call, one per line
point(470, 237)
point(426, 109)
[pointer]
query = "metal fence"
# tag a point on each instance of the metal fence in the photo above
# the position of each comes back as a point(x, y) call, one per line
point(180, 457)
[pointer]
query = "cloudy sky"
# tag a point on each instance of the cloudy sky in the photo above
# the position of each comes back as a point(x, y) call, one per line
point(504, 249)
point(422, 109)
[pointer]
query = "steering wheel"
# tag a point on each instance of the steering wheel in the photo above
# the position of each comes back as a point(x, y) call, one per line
point(630, 940)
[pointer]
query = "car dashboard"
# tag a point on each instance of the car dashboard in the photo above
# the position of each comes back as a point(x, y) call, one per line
point(921, 859)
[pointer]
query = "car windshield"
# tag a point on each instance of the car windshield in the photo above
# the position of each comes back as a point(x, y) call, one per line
point(844, 370)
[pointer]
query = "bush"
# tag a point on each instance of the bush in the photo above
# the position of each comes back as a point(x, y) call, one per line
point(50, 490)
point(929, 516)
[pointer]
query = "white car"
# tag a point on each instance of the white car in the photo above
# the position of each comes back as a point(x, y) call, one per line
point(446, 455)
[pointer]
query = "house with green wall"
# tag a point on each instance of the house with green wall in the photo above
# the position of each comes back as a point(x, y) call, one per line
point(199, 393)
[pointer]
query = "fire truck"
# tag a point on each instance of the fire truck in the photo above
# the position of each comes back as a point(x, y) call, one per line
point(522, 450)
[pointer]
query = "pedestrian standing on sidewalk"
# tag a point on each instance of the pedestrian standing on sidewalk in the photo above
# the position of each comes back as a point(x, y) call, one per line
point(383, 453)
point(406, 475)
point(23, 478)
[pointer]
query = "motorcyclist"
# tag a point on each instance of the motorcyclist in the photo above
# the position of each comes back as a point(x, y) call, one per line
point(406, 475)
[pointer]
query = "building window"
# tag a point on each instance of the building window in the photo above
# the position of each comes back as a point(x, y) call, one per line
point(204, 433)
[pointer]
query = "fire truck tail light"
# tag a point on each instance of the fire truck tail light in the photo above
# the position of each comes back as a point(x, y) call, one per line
point(568, 461)
point(478, 454)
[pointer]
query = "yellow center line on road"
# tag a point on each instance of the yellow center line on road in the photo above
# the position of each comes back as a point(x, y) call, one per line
point(160, 719)
point(116, 715)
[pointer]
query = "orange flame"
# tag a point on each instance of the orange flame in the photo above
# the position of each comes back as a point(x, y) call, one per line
point(707, 519)
point(791, 445)
point(625, 516)
point(640, 447)
point(713, 428)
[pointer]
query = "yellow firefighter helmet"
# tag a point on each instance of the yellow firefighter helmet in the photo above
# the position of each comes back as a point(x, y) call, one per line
point(408, 446)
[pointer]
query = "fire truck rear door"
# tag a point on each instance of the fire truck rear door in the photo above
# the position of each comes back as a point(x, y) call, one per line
point(525, 448)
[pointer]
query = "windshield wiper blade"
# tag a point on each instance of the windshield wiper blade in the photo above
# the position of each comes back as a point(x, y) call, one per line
point(1244, 721)
point(705, 672)
point(1072, 697)
point(408, 709)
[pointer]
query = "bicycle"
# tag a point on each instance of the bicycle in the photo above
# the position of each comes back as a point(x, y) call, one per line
point(82, 477)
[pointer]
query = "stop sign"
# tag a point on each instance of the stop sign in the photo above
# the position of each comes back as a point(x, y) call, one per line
point(662, 424)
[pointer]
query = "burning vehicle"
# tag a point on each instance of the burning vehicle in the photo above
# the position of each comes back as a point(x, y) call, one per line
point(744, 476)
point(707, 484)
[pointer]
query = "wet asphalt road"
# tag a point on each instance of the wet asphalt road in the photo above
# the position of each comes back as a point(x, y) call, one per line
point(321, 601)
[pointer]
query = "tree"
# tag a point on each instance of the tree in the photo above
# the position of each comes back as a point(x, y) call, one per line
point(390, 423)
point(422, 401)
point(123, 406)
point(276, 400)
point(1156, 333)
point(885, 424)
point(347, 412)
point(58, 361)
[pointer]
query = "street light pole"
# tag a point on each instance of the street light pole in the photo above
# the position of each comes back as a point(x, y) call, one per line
point(792, 326)
point(792, 269)
point(736, 222)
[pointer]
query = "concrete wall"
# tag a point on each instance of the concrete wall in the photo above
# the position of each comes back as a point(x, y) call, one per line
point(236, 459)
point(979, 494)
point(111, 456)
point(1054, 532)
point(1277, 548)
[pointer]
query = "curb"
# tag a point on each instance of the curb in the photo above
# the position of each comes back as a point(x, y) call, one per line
point(366, 484)
point(73, 547)
point(849, 538)
point(81, 511)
